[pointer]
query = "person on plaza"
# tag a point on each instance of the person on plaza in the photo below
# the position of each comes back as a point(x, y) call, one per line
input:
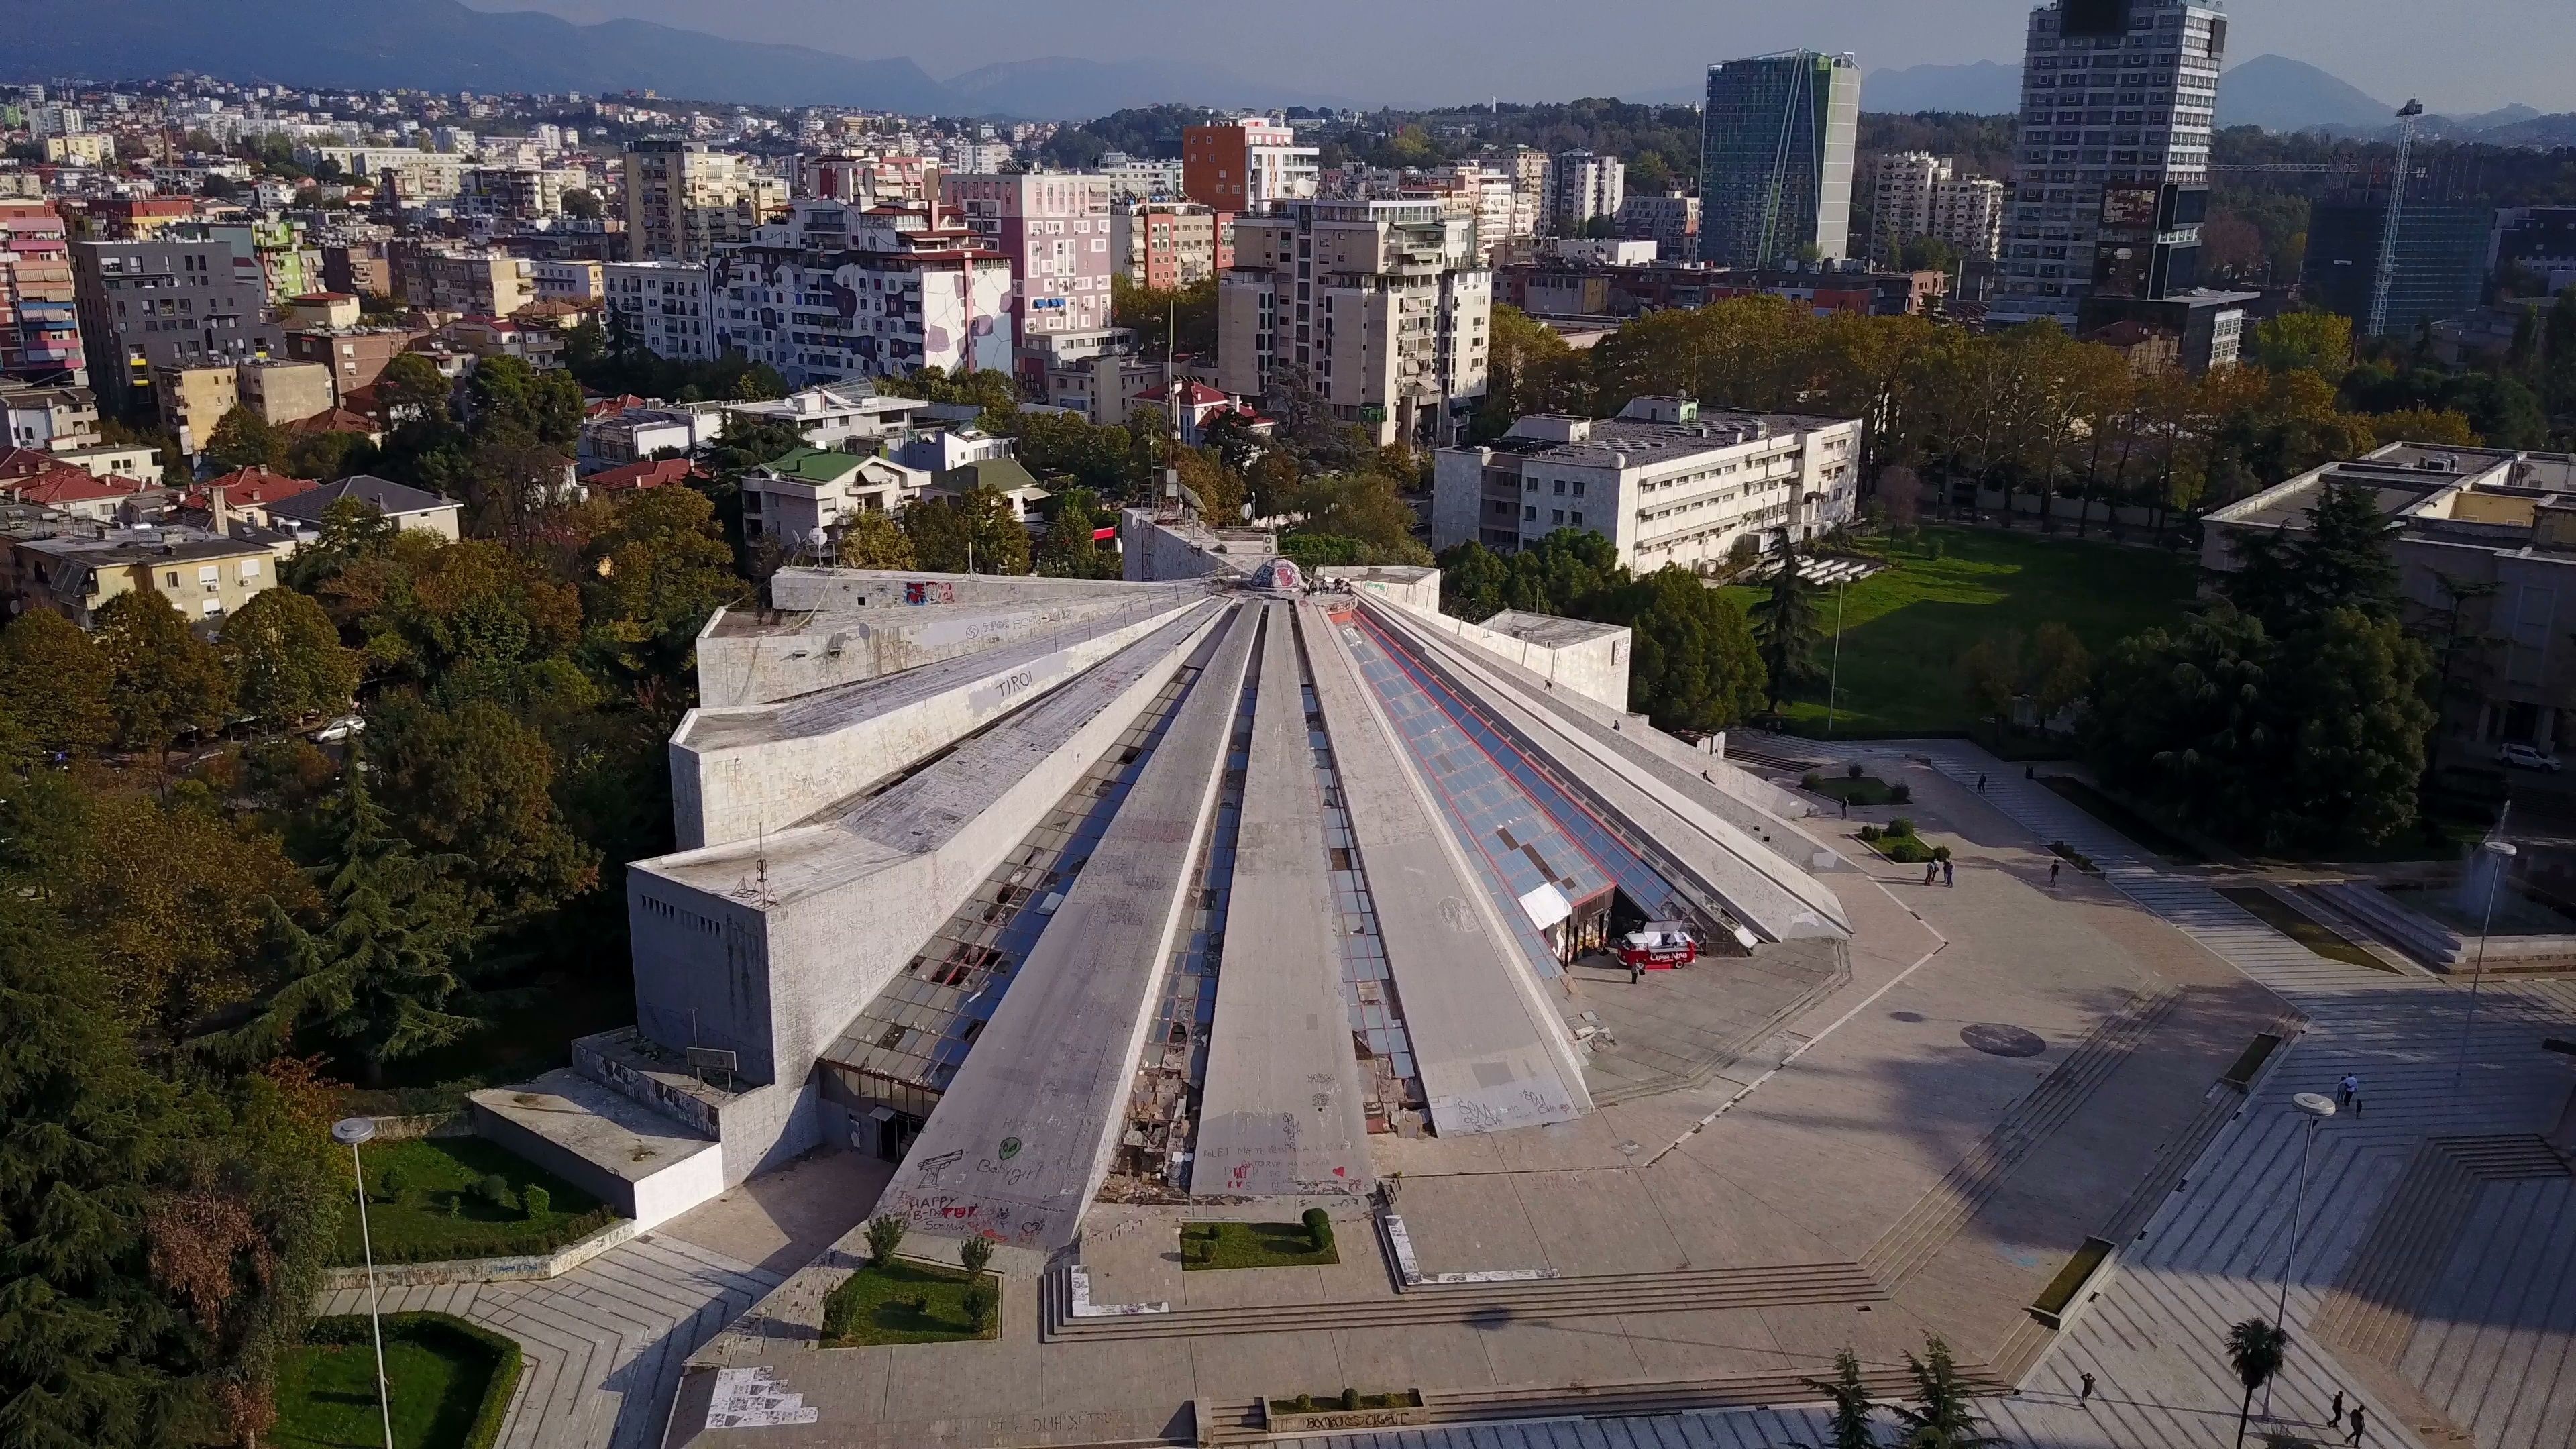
point(2085, 1395)
point(1949, 873)
point(2347, 1090)
point(2355, 1436)
point(1981, 784)
point(2052, 871)
point(1931, 872)
point(2335, 1414)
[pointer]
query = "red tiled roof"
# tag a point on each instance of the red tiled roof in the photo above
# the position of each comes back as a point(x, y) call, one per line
point(651, 473)
point(609, 407)
point(67, 484)
point(334, 420)
point(24, 462)
point(248, 487)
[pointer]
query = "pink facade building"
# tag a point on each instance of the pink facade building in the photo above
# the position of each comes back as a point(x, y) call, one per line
point(1055, 229)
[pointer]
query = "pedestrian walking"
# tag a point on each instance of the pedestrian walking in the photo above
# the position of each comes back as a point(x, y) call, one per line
point(1931, 872)
point(2052, 870)
point(2347, 1089)
point(1846, 808)
point(1949, 873)
point(2355, 1436)
point(1981, 784)
point(2335, 1414)
point(2030, 772)
point(2085, 1395)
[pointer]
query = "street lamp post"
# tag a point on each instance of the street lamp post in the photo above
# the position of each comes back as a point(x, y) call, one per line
point(355, 1130)
point(1834, 681)
point(2498, 856)
point(2317, 1108)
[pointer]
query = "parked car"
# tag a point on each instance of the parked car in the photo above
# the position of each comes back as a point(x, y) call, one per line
point(346, 727)
point(2526, 757)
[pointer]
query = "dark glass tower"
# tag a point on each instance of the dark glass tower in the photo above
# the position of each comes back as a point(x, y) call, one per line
point(1776, 158)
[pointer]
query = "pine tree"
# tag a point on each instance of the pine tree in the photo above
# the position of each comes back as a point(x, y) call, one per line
point(1940, 1416)
point(379, 976)
point(1785, 627)
point(1854, 1409)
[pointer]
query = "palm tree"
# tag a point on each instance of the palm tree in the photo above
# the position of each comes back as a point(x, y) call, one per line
point(1940, 1417)
point(1853, 1407)
point(2255, 1349)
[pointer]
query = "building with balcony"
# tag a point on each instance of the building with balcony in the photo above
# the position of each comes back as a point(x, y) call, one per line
point(1581, 186)
point(1054, 229)
point(1168, 244)
point(667, 306)
point(40, 337)
point(1668, 483)
point(1671, 222)
point(1382, 305)
point(789, 499)
point(168, 303)
point(835, 292)
point(683, 200)
point(1246, 164)
point(479, 282)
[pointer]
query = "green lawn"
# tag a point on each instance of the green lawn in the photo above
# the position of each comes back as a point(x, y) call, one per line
point(1903, 630)
point(439, 1171)
point(1250, 1245)
point(907, 1302)
point(2281, 916)
point(2141, 831)
point(326, 1392)
point(1867, 790)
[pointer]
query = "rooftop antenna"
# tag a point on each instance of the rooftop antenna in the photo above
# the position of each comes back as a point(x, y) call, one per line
point(2379, 286)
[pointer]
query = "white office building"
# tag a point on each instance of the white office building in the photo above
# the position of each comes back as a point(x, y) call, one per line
point(668, 306)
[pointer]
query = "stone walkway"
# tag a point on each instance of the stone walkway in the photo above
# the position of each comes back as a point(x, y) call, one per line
point(2500, 1359)
point(604, 1343)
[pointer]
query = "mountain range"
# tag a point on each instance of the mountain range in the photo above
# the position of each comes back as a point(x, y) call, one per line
point(441, 45)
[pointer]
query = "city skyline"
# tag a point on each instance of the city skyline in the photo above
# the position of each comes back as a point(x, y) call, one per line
point(1420, 56)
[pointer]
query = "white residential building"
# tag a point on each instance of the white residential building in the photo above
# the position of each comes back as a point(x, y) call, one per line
point(1666, 483)
point(1581, 186)
point(788, 498)
point(1920, 194)
point(668, 306)
point(848, 416)
point(834, 292)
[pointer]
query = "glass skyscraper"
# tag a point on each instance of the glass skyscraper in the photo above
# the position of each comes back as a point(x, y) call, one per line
point(1776, 146)
point(2111, 175)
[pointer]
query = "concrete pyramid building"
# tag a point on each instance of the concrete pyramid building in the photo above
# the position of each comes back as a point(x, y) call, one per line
point(1167, 889)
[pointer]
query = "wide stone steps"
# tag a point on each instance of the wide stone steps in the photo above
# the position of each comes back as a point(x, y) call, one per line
point(1229, 1421)
point(1683, 1290)
point(2371, 1308)
point(2513, 1157)
point(1741, 1391)
point(1913, 1239)
point(2165, 1174)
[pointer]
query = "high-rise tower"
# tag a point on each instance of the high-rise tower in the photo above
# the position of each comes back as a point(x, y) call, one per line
point(1776, 158)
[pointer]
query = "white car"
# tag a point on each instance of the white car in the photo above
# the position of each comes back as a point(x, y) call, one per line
point(346, 727)
point(2526, 757)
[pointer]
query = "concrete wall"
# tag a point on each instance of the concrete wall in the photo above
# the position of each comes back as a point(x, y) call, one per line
point(1415, 588)
point(1458, 498)
point(702, 974)
point(761, 668)
point(728, 792)
point(816, 588)
point(1595, 668)
point(649, 1200)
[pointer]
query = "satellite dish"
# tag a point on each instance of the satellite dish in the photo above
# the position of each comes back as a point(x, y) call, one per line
point(815, 538)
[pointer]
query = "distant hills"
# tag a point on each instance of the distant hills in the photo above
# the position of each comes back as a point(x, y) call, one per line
point(1061, 88)
point(2281, 94)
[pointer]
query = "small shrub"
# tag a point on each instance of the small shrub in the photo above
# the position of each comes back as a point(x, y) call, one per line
point(536, 1202)
point(978, 1302)
point(1350, 1398)
point(974, 1253)
point(1932, 546)
point(1870, 832)
point(1319, 1229)
point(494, 1189)
point(1901, 825)
point(1941, 852)
point(391, 1184)
point(1901, 794)
point(456, 1204)
point(1810, 780)
point(1852, 772)
point(885, 1234)
point(1305, 1403)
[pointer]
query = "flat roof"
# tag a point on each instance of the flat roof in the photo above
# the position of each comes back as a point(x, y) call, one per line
point(1550, 631)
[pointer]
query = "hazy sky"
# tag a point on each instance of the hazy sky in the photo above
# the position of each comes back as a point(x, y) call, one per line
point(2458, 55)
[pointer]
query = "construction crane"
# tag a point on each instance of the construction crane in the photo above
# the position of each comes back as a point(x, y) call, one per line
point(2406, 115)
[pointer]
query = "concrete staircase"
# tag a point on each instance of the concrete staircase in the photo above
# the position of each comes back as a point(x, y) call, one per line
point(1912, 1240)
point(2371, 1308)
point(2511, 1157)
point(1229, 1421)
point(2165, 1174)
point(2427, 940)
point(1597, 1296)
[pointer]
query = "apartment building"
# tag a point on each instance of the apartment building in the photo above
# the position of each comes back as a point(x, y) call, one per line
point(355, 355)
point(835, 292)
point(516, 193)
point(683, 200)
point(2111, 178)
point(190, 401)
point(413, 175)
point(1916, 193)
point(576, 281)
point(867, 178)
point(281, 390)
point(47, 419)
point(166, 303)
point(1670, 221)
point(1166, 244)
point(790, 498)
point(1776, 159)
point(468, 282)
point(1246, 164)
point(1667, 482)
point(75, 572)
point(130, 218)
point(669, 306)
point(1581, 186)
point(40, 337)
point(1381, 304)
point(1055, 230)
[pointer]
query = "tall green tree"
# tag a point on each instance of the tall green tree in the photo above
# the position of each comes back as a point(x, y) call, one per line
point(377, 976)
point(1696, 665)
point(54, 686)
point(286, 658)
point(1067, 549)
point(1941, 1415)
point(973, 532)
point(873, 540)
point(244, 439)
point(2255, 1350)
point(2340, 560)
point(1853, 1424)
point(1786, 626)
point(162, 678)
point(474, 782)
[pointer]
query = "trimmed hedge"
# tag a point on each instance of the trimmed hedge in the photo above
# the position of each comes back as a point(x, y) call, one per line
point(534, 1243)
point(350, 1329)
